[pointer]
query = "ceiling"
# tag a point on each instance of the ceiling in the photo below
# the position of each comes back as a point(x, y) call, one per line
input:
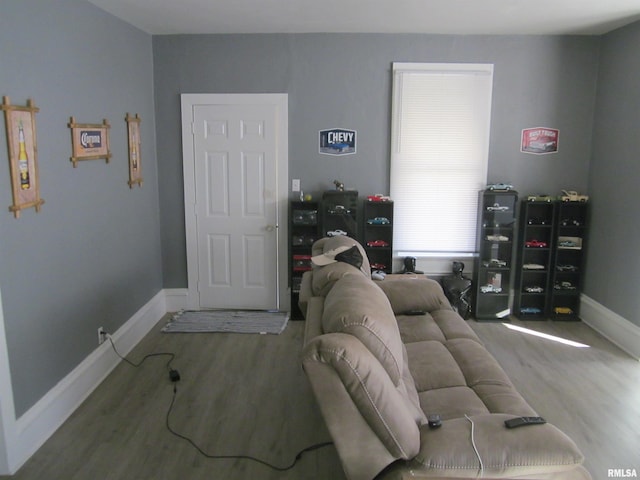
point(460, 17)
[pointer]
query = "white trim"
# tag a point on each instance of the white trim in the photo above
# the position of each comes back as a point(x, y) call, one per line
point(609, 324)
point(281, 101)
point(176, 299)
point(32, 429)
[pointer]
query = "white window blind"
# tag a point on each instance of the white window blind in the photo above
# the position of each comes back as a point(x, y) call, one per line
point(439, 152)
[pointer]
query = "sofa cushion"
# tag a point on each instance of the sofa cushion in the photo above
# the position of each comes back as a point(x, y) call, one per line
point(534, 451)
point(438, 325)
point(459, 377)
point(413, 292)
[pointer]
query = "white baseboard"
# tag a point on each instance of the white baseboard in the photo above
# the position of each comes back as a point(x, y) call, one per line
point(32, 429)
point(177, 299)
point(609, 324)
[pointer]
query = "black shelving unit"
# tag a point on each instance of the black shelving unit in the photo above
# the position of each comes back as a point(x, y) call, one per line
point(340, 212)
point(304, 229)
point(377, 234)
point(570, 241)
point(496, 228)
point(533, 267)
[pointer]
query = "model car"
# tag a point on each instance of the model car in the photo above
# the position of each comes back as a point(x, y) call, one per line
point(497, 238)
point(339, 210)
point(572, 196)
point(564, 286)
point(567, 244)
point(305, 217)
point(377, 243)
point(378, 197)
point(535, 244)
point(335, 233)
point(534, 289)
point(496, 207)
point(378, 266)
point(532, 266)
point(563, 311)
point(495, 263)
point(490, 289)
point(500, 186)
point(530, 311)
point(378, 221)
point(539, 198)
point(566, 268)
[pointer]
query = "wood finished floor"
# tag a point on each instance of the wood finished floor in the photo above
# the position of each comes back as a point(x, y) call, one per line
point(592, 394)
point(246, 394)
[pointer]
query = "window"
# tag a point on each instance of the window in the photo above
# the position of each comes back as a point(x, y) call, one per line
point(439, 153)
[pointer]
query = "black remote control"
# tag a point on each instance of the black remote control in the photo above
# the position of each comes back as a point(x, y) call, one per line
point(522, 421)
point(415, 312)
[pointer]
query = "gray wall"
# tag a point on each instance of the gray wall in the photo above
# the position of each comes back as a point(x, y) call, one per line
point(344, 80)
point(91, 257)
point(613, 259)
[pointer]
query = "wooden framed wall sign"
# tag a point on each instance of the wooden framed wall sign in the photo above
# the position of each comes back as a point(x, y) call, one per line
point(23, 155)
point(135, 157)
point(89, 141)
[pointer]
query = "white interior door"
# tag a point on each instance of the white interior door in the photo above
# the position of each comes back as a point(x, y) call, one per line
point(236, 157)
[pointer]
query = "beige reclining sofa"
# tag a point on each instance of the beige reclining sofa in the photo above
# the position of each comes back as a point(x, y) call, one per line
point(378, 373)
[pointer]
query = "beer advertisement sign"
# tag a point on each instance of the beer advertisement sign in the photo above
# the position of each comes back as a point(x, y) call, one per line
point(20, 123)
point(89, 141)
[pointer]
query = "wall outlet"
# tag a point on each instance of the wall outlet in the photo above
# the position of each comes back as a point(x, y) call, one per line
point(102, 335)
point(295, 185)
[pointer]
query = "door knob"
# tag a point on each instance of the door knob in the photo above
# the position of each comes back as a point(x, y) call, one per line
point(270, 228)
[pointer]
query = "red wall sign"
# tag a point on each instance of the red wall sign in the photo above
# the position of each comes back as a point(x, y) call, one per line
point(540, 140)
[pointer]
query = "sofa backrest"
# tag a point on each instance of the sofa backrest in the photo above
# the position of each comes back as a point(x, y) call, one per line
point(357, 307)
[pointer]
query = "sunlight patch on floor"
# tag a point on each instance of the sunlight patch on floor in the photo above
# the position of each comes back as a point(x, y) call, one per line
point(546, 336)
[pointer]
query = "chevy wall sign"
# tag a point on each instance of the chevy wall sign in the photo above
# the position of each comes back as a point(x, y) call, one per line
point(337, 141)
point(540, 140)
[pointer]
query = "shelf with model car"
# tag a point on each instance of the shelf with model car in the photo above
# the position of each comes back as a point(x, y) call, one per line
point(567, 268)
point(339, 210)
point(531, 298)
point(496, 221)
point(377, 232)
point(304, 230)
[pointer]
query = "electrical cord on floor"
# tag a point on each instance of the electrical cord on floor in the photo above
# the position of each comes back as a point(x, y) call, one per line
point(174, 376)
point(241, 457)
point(172, 356)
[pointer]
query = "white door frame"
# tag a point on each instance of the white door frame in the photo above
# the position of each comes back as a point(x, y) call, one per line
point(281, 102)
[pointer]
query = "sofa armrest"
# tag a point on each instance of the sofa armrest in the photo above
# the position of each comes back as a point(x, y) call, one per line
point(367, 415)
point(536, 451)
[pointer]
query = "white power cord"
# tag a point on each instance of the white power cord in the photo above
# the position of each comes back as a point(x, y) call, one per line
point(473, 443)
